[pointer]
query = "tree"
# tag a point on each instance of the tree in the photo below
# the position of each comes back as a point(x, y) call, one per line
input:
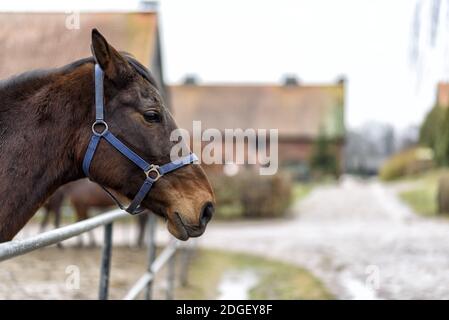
point(434, 133)
point(428, 131)
point(323, 160)
point(430, 26)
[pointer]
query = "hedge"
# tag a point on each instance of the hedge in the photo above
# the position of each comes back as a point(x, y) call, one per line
point(250, 195)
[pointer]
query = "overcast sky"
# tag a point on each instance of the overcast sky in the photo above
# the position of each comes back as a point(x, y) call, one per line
point(316, 40)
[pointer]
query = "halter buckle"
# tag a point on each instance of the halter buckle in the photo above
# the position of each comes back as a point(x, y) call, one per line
point(153, 173)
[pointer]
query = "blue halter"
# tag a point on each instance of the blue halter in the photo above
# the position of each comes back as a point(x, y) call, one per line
point(153, 172)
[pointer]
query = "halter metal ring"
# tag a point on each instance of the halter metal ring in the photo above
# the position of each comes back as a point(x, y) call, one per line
point(153, 173)
point(100, 123)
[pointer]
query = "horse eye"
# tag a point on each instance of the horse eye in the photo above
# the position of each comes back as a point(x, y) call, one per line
point(152, 116)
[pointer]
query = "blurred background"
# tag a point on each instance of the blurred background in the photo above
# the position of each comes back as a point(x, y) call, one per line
point(359, 91)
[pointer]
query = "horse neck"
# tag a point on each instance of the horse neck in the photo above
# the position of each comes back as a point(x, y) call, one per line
point(39, 119)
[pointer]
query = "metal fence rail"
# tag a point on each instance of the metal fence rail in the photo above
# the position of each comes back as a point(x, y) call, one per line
point(16, 248)
point(148, 277)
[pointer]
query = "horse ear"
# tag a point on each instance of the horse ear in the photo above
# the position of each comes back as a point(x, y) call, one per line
point(115, 67)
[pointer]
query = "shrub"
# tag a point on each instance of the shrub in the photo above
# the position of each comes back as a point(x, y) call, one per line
point(410, 161)
point(252, 195)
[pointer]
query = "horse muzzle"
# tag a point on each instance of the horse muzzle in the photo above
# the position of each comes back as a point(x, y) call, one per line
point(182, 230)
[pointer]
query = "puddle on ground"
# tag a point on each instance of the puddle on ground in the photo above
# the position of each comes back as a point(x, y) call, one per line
point(236, 284)
point(357, 289)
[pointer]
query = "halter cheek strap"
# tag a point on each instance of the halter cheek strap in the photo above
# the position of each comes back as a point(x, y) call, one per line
point(100, 130)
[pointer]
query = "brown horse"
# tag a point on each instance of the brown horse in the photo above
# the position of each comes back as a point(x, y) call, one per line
point(45, 128)
point(84, 195)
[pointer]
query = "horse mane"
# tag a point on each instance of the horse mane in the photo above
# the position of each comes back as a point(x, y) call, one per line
point(40, 74)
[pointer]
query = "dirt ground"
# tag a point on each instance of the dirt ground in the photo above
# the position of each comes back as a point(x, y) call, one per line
point(52, 273)
point(42, 274)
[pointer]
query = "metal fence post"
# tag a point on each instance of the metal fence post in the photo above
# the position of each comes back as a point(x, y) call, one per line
point(171, 277)
point(105, 262)
point(151, 236)
point(185, 265)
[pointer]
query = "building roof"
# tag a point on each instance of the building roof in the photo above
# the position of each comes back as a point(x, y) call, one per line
point(443, 94)
point(42, 40)
point(297, 111)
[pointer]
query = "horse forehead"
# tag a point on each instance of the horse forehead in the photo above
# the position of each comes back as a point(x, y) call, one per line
point(148, 88)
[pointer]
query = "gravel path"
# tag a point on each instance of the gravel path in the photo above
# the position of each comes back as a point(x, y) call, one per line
point(357, 237)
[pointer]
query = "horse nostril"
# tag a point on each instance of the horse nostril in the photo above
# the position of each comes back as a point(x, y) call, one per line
point(206, 213)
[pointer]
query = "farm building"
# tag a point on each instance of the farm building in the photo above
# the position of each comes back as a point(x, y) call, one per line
point(301, 113)
point(30, 40)
point(442, 98)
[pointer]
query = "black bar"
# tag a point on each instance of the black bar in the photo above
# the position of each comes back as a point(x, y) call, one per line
point(105, 262)
point(232, 309)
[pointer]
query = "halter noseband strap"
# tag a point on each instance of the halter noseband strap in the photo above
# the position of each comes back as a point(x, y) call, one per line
point(153, 172)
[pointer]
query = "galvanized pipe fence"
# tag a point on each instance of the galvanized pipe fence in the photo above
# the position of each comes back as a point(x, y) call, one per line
point(155, 262)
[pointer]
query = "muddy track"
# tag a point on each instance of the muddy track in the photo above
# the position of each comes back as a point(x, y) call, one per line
point(357, 237)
